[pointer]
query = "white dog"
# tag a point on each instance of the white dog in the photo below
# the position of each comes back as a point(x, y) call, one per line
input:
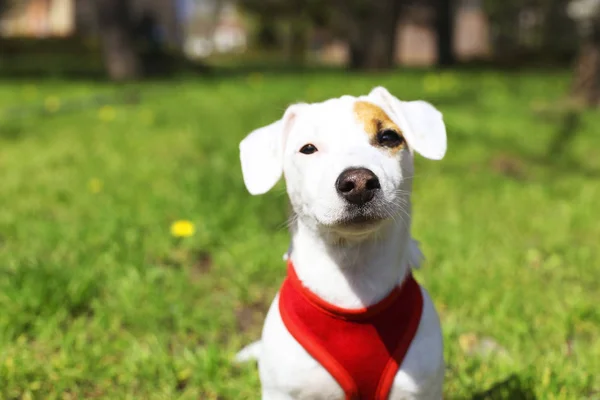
point(348, 167)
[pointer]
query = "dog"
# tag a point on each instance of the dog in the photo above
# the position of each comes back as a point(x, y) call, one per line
point(349, 321)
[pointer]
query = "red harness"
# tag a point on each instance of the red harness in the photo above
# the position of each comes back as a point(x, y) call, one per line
point(361, 348)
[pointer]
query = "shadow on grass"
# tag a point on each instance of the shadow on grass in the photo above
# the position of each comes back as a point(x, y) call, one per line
point(512, 388)
point(568, 127)
point(74, 59)
point(555, 158)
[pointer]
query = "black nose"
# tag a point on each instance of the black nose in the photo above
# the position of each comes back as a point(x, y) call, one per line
point(357, 185)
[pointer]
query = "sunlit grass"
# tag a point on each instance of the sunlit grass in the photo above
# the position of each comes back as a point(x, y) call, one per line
point(133, 263)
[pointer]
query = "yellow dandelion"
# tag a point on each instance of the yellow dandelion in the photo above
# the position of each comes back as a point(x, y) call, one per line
point(184, 374)
point(441, 307)
point(448, 80)
point(9, 363)
point(182, 228)
point(95, 185)
point(21, 340)
point(546, 377)
point(107, 113)
point(52, 103)
point(467, 342)
point(431, 83)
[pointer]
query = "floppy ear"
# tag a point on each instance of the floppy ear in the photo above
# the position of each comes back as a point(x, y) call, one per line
point(421, 123)
point(261, 153)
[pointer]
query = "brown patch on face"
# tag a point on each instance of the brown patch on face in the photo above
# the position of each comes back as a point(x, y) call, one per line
point(375, 120)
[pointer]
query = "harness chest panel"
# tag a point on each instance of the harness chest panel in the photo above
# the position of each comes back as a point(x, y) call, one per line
point(361, 348)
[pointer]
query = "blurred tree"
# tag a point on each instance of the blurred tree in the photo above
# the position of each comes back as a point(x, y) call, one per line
point(559, 35)
point(586, 81)
point(115, 24)
point(531, 31)
point(291, 13)
point(504, 20)
point(267, 32)
point(4, 4)
point(445, 32)
point(370, 27)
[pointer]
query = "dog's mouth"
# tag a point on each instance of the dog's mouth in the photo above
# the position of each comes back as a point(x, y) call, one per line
point(360, 219)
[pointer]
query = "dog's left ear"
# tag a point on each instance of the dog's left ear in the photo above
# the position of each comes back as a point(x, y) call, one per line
point(261, 153)
point(421, 123)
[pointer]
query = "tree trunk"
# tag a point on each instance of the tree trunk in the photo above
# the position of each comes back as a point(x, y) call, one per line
point(586, 82)
point(373, 35)
point(172, 24)
point(558, 44)
point(297, 41)
point(445, 32)
point(267, 32)
point(121, 59)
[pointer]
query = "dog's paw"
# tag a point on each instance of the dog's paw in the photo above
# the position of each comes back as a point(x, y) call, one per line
point(248, 353)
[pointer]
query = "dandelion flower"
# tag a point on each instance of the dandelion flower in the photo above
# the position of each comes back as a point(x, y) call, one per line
point(467, 341)
point(449, 81)
point(52, 103)
point(95, 185)
point(107, 113)
point(431, 83)
point(184, 374)
point(182, 228)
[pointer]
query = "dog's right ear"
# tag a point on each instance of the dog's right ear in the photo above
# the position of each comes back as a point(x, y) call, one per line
point(421, 123)
point(261, 152)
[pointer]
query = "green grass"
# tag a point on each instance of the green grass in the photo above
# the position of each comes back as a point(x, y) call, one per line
point(98, 300)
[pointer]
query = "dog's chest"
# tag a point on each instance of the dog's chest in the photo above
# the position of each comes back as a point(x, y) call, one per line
point(288, 371)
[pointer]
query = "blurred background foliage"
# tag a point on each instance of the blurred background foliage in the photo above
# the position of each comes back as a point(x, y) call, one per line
point(129, 39)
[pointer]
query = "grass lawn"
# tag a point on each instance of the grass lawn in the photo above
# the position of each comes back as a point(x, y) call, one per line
point(98, 300)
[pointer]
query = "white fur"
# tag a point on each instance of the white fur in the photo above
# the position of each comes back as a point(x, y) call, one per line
point(348, 265)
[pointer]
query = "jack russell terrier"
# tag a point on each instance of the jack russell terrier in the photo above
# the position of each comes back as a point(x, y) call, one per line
point(349, 321)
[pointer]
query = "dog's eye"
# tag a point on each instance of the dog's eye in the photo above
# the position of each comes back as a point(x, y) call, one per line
point(308, 149)
point(389, 138)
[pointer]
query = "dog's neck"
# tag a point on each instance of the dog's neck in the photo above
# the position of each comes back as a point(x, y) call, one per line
point(351, 273)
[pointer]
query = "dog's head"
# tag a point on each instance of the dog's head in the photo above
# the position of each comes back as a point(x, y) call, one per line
point(347, 162)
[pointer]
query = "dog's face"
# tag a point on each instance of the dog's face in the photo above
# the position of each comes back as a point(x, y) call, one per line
point(347, 162)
